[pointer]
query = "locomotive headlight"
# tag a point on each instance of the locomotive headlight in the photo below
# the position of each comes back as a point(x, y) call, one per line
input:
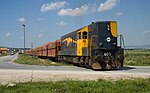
point(108, 28)
point(108, 39)
point(114, 43)
point(101, 44)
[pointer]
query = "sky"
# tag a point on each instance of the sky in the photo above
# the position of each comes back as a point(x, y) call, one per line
point(48, 20)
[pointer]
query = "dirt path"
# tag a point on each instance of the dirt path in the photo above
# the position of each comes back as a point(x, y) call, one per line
point(11, 75)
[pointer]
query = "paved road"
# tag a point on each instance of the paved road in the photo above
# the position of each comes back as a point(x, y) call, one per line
point(6, 63)
point(12, 72)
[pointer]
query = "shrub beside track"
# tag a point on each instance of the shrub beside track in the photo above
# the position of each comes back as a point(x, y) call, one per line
point(31, 60)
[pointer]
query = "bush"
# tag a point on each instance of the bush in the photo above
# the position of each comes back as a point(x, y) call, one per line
point(32, 60)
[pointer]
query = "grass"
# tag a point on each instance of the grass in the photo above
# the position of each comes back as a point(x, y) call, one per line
point(137, 57)
point(68, 86)
point(31, 60)
point(1, 55)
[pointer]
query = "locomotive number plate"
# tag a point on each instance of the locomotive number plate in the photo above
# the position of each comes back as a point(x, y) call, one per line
point(107, 54)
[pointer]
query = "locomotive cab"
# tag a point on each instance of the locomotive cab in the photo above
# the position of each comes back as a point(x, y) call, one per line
point(82, 41)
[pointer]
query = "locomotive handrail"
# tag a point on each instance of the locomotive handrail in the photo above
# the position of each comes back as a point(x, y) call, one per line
point(122, 44)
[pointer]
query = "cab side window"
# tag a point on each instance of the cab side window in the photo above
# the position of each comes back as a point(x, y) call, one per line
point(84, 35)
point(79, 35)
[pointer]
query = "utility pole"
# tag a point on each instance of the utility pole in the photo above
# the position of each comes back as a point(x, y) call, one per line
point(32, 45)
point(24, 37)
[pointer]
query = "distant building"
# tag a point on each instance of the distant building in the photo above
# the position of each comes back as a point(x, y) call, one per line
point(4, 50)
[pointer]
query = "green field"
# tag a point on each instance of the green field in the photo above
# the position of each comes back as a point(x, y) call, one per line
point(31, 60)
point(100, 86)
point(137, 57)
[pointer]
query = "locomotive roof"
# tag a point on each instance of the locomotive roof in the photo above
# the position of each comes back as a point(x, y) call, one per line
point(103, 21)
point(72, 32)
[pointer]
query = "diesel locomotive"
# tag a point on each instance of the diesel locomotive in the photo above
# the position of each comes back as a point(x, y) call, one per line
point(94, 46)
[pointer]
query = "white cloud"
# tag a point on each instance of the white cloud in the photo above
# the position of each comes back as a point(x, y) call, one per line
point(146, 32)
point(74, 12)
point(61, 23)
point(94, 7)
point(109, 4)
point(8, 34)
point(22, 20)
point(52, 6)
point(39, 35)
point(119, 14)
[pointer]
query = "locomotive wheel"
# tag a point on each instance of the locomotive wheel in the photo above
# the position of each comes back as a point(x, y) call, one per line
point(103, 65)
point(81, 62)
point(118, 63)
point(76, 60)
point(96, 66)
point(86, 63)
point(108, 66)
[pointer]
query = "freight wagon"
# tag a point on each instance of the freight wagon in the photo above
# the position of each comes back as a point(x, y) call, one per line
point(49, 50)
